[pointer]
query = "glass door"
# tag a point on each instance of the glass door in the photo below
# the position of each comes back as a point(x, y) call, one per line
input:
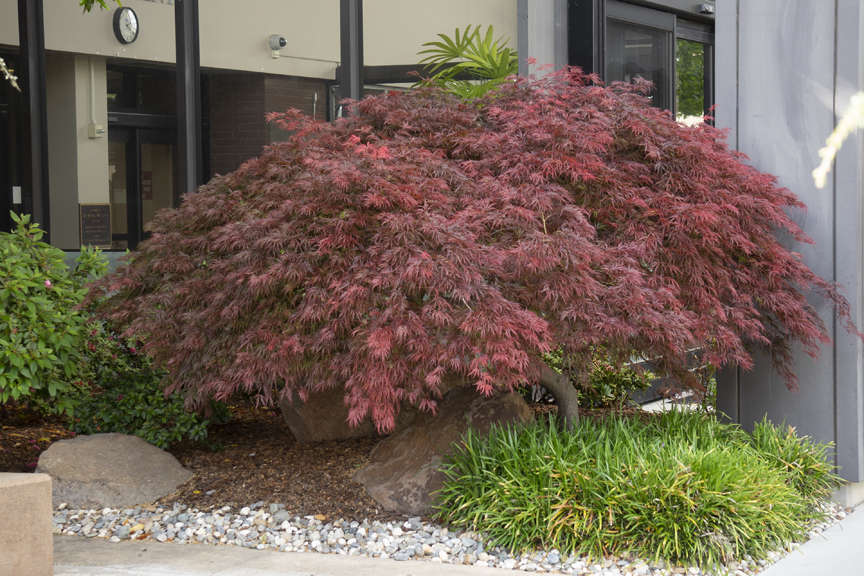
point(141, 168)
point(120, 185)
point(639, 44)
point(157, 158)
point(675, 54)
point(5, 181)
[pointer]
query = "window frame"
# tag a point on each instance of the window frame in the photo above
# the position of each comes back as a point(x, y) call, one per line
point(676, 26)
point(646, 18)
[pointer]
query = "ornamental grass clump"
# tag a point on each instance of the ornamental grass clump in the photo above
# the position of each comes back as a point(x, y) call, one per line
point(805, 461)
point(680, 487)
point(423, 240)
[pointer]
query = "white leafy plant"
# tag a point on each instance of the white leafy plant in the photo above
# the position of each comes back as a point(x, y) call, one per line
point(851, 120)
point(9, 74)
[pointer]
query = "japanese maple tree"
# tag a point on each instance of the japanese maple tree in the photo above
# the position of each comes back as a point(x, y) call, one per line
point(424, 239)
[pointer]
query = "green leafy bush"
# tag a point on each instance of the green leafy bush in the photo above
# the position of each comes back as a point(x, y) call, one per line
point(41, 327)
point(127, 396)
point(679, 486)
point(609, 384)
point(805, 462)
point(487, 60)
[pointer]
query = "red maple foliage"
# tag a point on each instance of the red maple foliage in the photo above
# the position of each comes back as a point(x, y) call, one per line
point(423, 237)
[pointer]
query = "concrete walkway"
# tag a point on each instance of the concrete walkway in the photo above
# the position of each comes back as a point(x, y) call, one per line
point(77, 556)
point(839, 551)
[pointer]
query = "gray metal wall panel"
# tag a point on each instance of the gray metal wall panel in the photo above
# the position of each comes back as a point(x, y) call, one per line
point(849, 241)
point(779, 89)
point(726, 68)
point(785, 109)
point(542, 35)
point(726, 117)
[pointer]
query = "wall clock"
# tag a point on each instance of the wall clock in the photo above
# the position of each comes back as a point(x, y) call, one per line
point(125, 25)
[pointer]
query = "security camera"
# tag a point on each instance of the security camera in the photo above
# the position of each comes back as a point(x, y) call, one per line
point(277, 42)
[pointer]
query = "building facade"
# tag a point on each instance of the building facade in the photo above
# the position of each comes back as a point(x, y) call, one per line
point(786, 70)
point(109, 129)
point(112, 112)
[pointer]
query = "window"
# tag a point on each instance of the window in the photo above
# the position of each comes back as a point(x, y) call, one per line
point(674, 54)
point(639, 45)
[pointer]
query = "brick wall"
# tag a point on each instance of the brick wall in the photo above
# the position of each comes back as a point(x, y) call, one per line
point(238, 105)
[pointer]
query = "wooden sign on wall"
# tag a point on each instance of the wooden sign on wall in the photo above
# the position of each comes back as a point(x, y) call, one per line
point(95, 225)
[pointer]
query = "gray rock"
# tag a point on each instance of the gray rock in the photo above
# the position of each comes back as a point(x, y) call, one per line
point(110, 470)
point(122, 532)
point(404, 469)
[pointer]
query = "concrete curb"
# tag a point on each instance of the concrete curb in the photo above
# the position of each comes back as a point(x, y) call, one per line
point(25, 525)
point(77, 556)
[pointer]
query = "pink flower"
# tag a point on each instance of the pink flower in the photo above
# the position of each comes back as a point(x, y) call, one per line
point(47, 283)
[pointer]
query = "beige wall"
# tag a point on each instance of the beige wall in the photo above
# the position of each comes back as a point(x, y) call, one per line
point(92, 154)
point(9, 22)
point(67, 29)
point(77, 164)
point(234, 35)
point(393, 30)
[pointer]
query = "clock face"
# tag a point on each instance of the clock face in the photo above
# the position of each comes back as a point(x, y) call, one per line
point(125, 25)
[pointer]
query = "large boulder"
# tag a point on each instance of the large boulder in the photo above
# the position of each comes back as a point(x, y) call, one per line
point(113, 470)
point(404, 469)
point(324, 417)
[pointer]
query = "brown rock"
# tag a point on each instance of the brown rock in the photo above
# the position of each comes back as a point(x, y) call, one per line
point(404, 469)
point(324, 416)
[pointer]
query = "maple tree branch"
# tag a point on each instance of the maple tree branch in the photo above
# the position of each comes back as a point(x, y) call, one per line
point(566, 395)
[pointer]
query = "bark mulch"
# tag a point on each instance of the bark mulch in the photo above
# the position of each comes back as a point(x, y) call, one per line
point(251, 458)
point(259, 460)
point(24, 434)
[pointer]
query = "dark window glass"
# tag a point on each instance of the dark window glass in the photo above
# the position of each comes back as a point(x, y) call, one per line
point(142, 90)
point(634, 51)
point(689, 78)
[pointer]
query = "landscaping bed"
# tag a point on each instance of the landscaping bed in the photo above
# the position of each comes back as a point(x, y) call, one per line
point(24, 435)
point(252, 457)
point(255, 487)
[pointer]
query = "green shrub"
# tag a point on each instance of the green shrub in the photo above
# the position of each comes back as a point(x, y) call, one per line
point(805, 462)
point(41, 327)
point(127, 396)
point(681, 487)
point(609, 384)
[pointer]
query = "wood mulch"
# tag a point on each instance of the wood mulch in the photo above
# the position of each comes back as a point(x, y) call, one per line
point(251, 458)
point(24, 434)
point(259, 460)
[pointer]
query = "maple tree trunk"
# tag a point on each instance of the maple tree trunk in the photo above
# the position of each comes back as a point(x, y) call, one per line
point(565, 395)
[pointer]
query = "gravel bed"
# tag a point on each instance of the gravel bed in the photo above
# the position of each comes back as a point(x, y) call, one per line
point(270, 526)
